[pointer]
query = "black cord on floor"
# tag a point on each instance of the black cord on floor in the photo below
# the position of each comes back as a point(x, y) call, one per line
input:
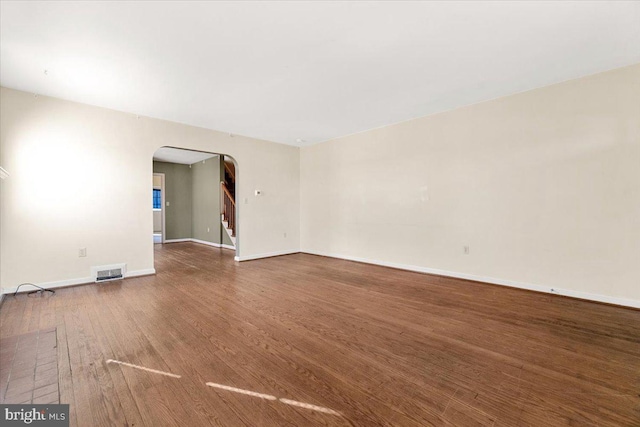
point(40, 289)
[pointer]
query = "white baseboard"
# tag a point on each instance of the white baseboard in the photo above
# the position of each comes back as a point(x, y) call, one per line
point(74, 282)
point(137, 273)
point(492, 280)
point(50, 285)
point(267, 255)
point(202, 242)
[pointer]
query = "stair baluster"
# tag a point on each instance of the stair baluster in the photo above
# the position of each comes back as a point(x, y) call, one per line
point(229, 208)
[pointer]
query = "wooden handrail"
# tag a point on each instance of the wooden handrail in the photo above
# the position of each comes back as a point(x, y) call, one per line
point(228, 169)
point(226, 191)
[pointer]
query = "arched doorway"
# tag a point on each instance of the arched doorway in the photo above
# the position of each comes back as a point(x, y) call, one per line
point(194, 198)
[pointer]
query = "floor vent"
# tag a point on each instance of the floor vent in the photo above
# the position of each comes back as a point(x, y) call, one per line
point(105, 273)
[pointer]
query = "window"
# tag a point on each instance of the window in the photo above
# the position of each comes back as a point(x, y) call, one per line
point(157, 199)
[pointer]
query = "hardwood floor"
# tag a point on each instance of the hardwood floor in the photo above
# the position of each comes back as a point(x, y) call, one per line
point(365, 345)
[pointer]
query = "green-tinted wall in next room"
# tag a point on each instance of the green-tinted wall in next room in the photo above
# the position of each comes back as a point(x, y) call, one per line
point(178, 183)
point(205, 200)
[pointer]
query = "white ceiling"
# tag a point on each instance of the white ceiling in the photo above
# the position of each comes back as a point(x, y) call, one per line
point(177, 155)
point(283, 71)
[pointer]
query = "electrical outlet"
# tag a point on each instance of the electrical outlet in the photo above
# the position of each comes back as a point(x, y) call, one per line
point(207, 229)
point(466, 250)
point(82, 252)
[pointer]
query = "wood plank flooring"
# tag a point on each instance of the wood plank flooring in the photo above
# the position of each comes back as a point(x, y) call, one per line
point(29, 368)
point(302, 340)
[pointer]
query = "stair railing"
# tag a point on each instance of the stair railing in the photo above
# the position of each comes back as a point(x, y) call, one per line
point(228, 208)
point(231, 173)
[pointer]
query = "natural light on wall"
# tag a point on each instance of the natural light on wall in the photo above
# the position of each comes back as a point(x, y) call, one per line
point(52, 173)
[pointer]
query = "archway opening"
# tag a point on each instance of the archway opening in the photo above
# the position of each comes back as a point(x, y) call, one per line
point(194, 198)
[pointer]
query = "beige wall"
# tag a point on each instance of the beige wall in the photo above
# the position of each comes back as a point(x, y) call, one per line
point(80, 177)
point(543, 186)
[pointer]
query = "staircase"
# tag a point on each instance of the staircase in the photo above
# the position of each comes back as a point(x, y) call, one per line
point(227, 191)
